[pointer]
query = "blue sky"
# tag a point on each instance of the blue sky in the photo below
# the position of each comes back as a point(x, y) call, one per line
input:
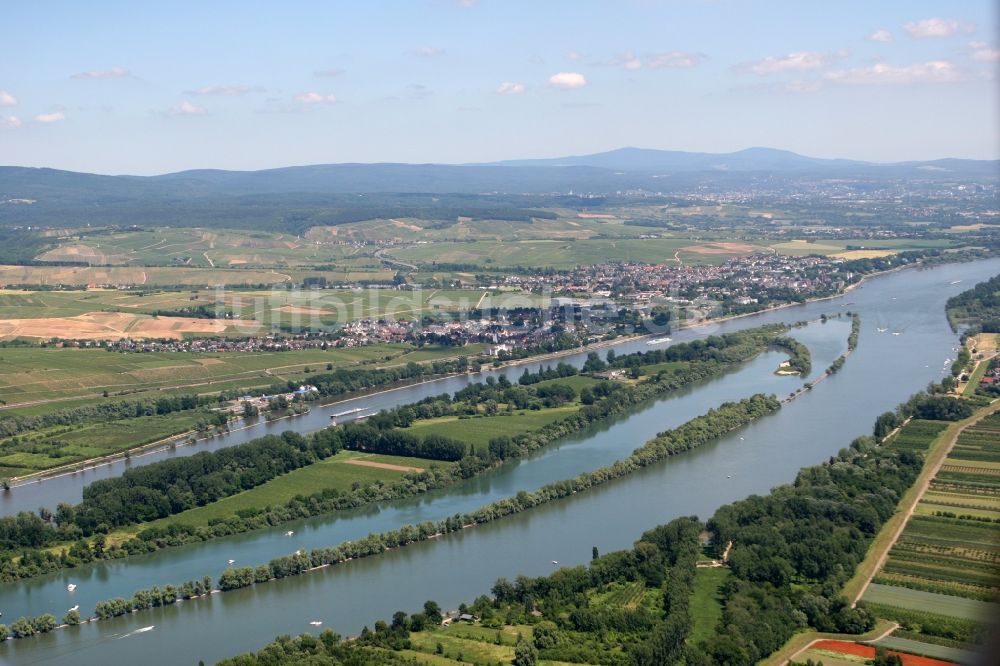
point(126, 87)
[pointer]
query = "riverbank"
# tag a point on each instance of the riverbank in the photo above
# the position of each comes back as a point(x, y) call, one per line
point(692, 434)
point(180, 440)
point(455, 569)
point(168, 532)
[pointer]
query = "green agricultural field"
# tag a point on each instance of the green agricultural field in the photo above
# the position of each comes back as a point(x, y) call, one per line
point(474, 643)
point(660, 367)
point(53, 447)
point(474, 651)
point(567, 254)
point(29, 374)
point(619, 595)
point(917, 435)
point(951, 544)
point(974, 379)
point(480, 430)
point(706, 603)
point(158, 276)
point(207, 248)
point(577, 382)
point(941, 604)
point(567, 226)
point(952, 654)
point(828, 658)
point(334, 473)
point(832, 246)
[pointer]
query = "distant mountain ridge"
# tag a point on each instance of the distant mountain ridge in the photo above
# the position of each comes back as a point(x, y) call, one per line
point(749, 159)
point(296, 196)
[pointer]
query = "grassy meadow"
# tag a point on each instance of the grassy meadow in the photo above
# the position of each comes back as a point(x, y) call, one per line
point(334, 473)
point(479, 430)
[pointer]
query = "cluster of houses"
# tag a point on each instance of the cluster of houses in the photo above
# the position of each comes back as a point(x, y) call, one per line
point(215, 344)
point(740, 277)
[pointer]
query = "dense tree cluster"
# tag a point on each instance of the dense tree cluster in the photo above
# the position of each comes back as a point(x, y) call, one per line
point(978, 307)
point(795, 548)
point(922, 406)
point(101, 412)
point(799, 358)
point(153, 597)
point(155, 491)
point(344, 380)
point(23, 627)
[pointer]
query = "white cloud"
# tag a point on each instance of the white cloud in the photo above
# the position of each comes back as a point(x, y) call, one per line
point(934, 71)
point(427, 52)
point(880, 36)
point(6, 99)
point(47, 118)
point(331, 71)
point(113, 73)
point(796, 62)
point(625, 60)
point(186, 108)
point(10, 122)
point(936, 27)
point(567, 80)
point(980, 51)
point(315, 98)
point(678, 59)
point(230, 90)
point(510, 88)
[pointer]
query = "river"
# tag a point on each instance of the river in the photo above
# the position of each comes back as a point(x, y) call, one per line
point(885, 370)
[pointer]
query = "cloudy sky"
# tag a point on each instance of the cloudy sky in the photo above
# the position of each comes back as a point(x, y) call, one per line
point(125, 87)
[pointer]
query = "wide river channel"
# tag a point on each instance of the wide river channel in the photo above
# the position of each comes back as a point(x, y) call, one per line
point(915, 348)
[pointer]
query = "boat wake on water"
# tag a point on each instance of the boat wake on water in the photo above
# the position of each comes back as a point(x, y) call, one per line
point(134, 632)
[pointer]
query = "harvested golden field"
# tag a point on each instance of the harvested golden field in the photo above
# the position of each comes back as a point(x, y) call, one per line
point(864, 254)
point(720, 248)
point(111, 326)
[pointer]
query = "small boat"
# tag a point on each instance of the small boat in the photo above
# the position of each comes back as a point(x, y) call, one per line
point(315, 623)
point(658, 341)
point(231, 561)
point(289, 533)
point(555, 561)
point(74, 608)
point(729, 476)
point(881, 330)
point(956, 281)
point(356, 410)
point(895, 333)
point(71, 587)
point(741, 439)
point(144, 629)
